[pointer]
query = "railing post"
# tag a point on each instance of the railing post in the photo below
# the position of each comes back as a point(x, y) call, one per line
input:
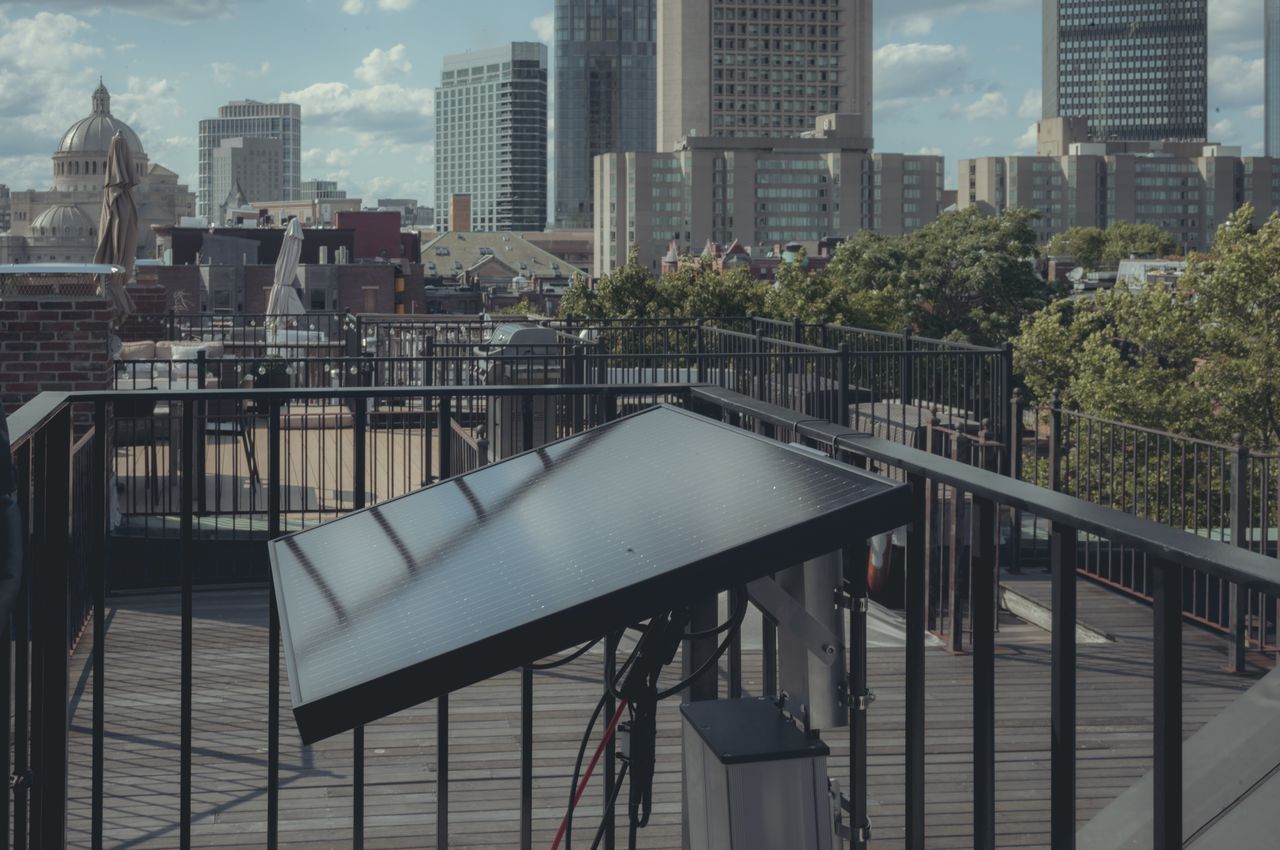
point(273, 631)
point(1062, 698)
point(700, 349)
point(99, 498)
point(914, 591)
point(1166, 581)
point(982, 608)
point(797, 330)
point(1241, 523)
point(1014, 467)
point(200, 435)
point(1000, 393)
point(172, 325)
point(906, 376)
point(1055, 442)
point(757, 351)
point(579, 376)
point(853, 564)
point(842, 389)
point(51, 510)
point(186, 554)
point(442, 703)
point(526, 422)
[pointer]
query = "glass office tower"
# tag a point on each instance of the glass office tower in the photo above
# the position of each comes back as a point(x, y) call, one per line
point(1273, 78)
point(1137, 70)
point(606, 93)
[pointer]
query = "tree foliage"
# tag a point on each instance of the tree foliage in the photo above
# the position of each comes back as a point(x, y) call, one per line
point(1201, 360)
point(1085, 244)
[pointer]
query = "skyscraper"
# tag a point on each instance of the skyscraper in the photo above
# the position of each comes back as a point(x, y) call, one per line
point(760, 67)
point(247, 169)
point(251, 120)
point(1137, 70)
point(1272, 109)
point(491, 136)
point(606, 93)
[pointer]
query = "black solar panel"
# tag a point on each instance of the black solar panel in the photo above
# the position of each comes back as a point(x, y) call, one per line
point(400, 603)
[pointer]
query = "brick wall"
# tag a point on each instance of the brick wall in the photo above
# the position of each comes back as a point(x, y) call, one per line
point(53, 344)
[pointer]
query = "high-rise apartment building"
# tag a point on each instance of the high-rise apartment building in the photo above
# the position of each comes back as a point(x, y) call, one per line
point(1137, 70)
point(759, 192)
point(491, 136)
point(1187, 189)
point(760, 67)
point(606, 93)
point(243, 170)
point(1272, 63)
point(251, 119)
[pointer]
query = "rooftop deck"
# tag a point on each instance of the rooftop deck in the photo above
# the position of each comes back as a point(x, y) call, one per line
point(230, 734)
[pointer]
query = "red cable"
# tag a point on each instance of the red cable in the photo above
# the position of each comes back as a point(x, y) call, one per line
point(582, 786)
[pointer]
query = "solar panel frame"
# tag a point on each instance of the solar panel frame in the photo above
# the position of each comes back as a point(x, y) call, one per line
point(886, 506)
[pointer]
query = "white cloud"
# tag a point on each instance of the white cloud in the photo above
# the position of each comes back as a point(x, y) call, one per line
point(1027, 141)
point(1222, 130)
point(1031, 108)
point(359, 7)
point(544, 26)
point(913, 71)
point(394, 5)
point(376, 108)
point(352, 7)
point(382, 66)
point(930, 150)
point(1258, 111)
point(1235, 26)
point(1234, 81)
point(181, 11)
point(983, 141)
point(991, 106)
point(914, 26)
point(228, 72)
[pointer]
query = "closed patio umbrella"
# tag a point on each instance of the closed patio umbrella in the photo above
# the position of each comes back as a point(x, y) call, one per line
point(284, 300)
point(118, 223)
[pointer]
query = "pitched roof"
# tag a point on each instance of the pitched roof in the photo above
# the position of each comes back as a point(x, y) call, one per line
point(451, 252)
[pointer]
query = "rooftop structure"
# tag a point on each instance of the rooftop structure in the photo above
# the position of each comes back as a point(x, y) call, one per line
point(493, 259)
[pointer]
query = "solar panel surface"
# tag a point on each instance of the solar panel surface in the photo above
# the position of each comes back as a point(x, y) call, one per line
point(419, 596)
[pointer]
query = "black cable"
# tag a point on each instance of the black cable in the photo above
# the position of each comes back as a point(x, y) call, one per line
point(608, 806)
point(723, 627)
point(582, 751)
point(736, 623)
point(551, 665)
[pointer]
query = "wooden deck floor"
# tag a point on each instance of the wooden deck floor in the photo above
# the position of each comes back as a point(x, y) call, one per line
point(230, 759)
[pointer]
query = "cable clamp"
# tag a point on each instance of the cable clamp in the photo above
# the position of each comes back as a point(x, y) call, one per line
point(21, 781)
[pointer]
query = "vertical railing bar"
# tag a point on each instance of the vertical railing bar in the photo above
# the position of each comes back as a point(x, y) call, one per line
point(273, 637)
point(914, 590)
point(186, 546)
point(1062, 720)
point(99, 498)
point(1167, 695)
point(444, 426)
point(982, 566)
point(853, 563)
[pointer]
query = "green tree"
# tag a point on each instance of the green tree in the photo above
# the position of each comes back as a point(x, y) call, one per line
point(1237, 292)
point(1124, 239)
point(629, 292)
point(698, 290)
point(1085, 244)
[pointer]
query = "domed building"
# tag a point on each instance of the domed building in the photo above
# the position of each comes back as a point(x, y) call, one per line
point(60, 224)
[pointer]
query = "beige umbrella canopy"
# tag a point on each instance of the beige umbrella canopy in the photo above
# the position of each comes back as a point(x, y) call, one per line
point(285, 301)
point(118, 224)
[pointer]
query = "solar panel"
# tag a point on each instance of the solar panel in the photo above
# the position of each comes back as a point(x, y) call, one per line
point(417, 597)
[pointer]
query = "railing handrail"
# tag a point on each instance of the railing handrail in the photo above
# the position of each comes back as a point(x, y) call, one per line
point(1162, 542)
point(1152, 432)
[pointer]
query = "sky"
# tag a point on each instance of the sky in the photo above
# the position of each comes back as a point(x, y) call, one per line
point(956, 77)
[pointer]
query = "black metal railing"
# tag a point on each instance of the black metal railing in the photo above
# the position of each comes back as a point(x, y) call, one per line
point(1171, 555)
point(1220, 492)
point(372, 438)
